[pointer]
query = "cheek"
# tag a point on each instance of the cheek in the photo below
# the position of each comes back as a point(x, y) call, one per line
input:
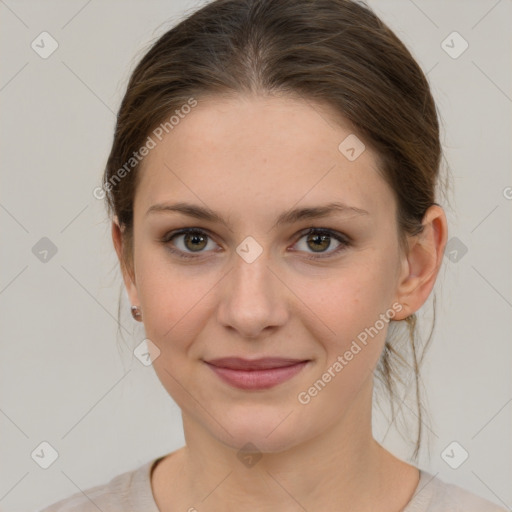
point(354, 299)
point(174, 298)
point(352, 307)
point(352, 315)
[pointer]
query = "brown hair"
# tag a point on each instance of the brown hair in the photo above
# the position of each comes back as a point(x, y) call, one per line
point(336, 52)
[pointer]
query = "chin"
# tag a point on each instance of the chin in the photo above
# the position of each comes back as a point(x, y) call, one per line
point(267, 432)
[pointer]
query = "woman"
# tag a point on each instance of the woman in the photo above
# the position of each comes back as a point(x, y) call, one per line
point(272, 189)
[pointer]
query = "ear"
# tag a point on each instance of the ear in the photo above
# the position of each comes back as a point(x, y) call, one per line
point(128, 273)
point(419, 268)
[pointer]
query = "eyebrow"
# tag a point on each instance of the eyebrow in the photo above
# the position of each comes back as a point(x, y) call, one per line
point(287, 217)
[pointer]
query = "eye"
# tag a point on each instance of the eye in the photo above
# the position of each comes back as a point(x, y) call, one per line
point(320, 239)
point(196, 240)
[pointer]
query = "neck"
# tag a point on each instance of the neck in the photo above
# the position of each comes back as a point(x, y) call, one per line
point(341, 468)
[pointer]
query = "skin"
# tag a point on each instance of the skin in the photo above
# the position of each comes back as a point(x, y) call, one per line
point(250, 158)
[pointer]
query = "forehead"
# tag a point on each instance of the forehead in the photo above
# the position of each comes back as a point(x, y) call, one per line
point(248, 153)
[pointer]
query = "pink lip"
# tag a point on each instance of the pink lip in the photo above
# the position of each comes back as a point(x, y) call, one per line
point(239, 363)
point(257, 373)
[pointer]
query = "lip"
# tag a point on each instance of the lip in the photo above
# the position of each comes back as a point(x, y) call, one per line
point(263, 363)
point(260, 373)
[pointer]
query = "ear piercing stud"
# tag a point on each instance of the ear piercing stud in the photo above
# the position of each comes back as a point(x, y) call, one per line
point(136, 313)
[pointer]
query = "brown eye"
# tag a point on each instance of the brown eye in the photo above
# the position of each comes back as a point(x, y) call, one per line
point(195, 241)
point(187, 241)
point(318, 240)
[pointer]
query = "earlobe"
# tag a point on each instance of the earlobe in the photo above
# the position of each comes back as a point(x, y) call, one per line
point(421, 265)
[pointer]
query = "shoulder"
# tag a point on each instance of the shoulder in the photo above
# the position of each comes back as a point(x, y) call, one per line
point(436, 495)
point(123, 493)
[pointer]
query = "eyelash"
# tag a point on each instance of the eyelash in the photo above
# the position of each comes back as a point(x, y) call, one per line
point(344, 241)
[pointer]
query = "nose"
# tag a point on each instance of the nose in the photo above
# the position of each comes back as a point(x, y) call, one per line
point(254, 299)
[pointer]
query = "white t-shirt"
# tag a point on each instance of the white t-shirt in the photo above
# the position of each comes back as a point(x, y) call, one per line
point(132, 492)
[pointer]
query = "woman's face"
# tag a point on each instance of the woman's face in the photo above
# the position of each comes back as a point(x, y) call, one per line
point(248, 286)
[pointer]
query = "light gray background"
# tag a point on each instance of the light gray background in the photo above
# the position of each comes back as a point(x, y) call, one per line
point(63, 379)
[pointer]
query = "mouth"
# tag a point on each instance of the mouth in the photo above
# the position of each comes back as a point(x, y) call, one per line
point(256, 374)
